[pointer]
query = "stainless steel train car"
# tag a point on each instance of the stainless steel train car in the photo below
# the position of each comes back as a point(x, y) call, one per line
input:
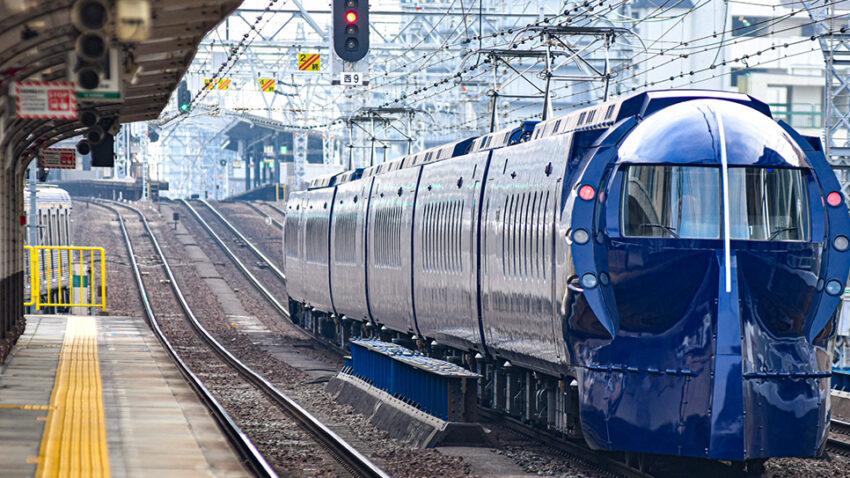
point(54, 229)
point(657, 274)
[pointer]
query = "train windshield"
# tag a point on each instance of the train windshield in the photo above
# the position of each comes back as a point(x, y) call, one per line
point(684, 202)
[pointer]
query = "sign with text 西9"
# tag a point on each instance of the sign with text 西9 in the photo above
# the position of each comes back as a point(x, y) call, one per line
point(351, 78)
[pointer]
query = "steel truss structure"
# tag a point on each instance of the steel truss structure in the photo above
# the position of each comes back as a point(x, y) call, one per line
point(836, 52)
point(435, 70)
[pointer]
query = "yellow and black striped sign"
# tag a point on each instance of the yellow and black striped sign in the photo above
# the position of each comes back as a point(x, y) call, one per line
point(224, 83)
point(309, 62)
point(267, 85)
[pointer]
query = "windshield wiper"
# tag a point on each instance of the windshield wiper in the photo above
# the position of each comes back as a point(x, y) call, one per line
point(779, 231)
point(669, 229)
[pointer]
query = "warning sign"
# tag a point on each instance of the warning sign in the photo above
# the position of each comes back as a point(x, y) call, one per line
point(45, 100)
point(57, 158)
point(220, 83)
point(309, 62)
point(267, 85)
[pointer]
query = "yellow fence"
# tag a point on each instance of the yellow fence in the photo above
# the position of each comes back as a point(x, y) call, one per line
point(80, 271)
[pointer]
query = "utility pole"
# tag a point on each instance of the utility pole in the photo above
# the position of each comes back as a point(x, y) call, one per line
point(32, 217)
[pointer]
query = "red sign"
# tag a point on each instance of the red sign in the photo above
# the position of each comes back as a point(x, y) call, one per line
point(57, 158)
point(46, 100)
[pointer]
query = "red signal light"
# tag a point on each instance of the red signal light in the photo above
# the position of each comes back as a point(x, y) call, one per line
point(586, 192)
point(834, 198)
point(351, 17)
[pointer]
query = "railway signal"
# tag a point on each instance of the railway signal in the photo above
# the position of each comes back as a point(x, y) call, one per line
point(351, 29)
point(184, 98)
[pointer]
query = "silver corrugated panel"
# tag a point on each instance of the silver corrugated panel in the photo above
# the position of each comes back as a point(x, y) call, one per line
point(445, 259)
point(315, 227)
point(389, 248)
point(348, 273)
point(522, 209)
point(292, 245)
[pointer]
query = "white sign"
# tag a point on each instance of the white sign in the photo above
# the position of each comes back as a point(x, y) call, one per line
point(45, 100)
point(57, 158)
point(351, 78)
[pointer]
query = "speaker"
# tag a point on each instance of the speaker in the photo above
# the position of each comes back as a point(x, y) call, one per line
point(103, 153)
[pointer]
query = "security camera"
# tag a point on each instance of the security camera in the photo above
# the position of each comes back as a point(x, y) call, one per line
point(88, 15)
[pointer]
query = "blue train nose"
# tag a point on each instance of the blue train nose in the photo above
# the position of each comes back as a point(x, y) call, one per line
point(714, 247)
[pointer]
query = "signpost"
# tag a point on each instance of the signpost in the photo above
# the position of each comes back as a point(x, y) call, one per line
point(45, 100)
point(267, 85)
point(57, 158)
point(352, 78)
point(309, 62)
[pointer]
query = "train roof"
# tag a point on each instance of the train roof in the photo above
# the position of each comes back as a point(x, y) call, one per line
point(599, 116)
point(49, 194)
point(642, 104)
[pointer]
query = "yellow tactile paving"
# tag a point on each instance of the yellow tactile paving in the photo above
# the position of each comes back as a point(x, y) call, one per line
point(74, 440)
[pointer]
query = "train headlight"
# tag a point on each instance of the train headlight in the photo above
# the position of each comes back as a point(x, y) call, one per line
point(840, 243)
point(589, 281)
point(834, 287)
point(580, 236)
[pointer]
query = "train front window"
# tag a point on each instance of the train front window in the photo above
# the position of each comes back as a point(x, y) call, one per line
point(768, 204)
point(680, 202)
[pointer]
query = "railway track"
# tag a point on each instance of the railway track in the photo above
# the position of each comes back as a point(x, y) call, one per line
point(276, 223)
point(839, 437)
point(274, 276)
point(345, 455)
point(603, 463)
point(564, 448)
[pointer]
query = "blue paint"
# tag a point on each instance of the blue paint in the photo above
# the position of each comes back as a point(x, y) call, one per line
point(421, 381)
point(667, 360)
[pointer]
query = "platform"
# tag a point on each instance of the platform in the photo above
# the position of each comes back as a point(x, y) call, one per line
point(99, 396)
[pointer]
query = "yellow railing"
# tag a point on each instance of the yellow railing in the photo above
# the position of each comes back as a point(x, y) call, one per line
point(71, 268)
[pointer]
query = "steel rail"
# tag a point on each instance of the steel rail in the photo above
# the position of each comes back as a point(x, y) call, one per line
point(257, 209)
point(239, 264)
point(276, 208)
point(329, 345)
point(242, 238)
point(577, 451)
point(246, 449)
point(839, 439)
point(341, 450)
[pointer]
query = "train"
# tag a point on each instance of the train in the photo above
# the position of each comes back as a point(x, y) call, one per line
point(657, 275)
point(54, 221)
